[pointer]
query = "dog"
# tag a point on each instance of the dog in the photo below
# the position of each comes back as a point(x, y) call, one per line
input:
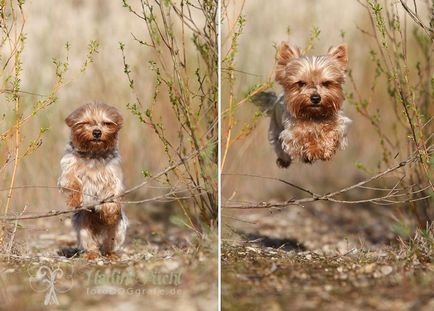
point(307, 122)
point(91, 172)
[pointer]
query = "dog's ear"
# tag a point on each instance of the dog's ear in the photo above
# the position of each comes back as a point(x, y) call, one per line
point(340, 54)
point(285, 53)
point(115, 116)
point(119, 119)
point(74, 117)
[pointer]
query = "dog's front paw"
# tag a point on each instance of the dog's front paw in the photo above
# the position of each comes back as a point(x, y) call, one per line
point(112, 256)
point(316, 154)
point(90, 255)
point(307, 159)
point(312, 153)
point(283, 163)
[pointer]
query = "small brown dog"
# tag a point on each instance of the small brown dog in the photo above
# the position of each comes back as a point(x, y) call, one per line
point(91, 172)
point(307, 121)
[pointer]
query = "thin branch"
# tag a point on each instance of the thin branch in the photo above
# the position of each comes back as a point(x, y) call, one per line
point(416, 19)
point(276, 179)
point(112, 199)
point(392, 193)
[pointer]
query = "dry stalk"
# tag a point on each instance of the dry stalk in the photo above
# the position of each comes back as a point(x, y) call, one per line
point(394, 195)
point(172, 195)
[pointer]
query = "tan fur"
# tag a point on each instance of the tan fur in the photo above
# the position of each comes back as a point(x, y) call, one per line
point(312, 141)
point(74, 191)
point(303, 129)
point(91, 172)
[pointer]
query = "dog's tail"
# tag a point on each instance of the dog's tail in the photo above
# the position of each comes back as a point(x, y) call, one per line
point(265, 101)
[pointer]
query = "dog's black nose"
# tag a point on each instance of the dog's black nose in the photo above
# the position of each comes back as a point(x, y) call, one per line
point(96, 133)
point(315, 99)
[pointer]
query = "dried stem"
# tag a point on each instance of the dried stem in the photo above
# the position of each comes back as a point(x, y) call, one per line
point(171, 195)
point(393, 193)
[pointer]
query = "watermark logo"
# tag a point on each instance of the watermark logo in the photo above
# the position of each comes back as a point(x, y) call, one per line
point(54, 280)
point(125, 281)
point(51, 281)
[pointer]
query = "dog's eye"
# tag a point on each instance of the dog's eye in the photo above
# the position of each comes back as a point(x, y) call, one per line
point(301, 83)
point(81, 124)
point(108, 123)
point(326, 83)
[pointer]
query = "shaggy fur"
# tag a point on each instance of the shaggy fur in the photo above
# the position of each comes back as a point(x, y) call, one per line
point(91, 172)
point(307, 121)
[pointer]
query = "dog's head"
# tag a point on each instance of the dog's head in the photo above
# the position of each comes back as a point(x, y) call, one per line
point(94, 128)
point(312, 84)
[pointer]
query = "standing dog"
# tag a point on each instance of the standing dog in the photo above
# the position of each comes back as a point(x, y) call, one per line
point(91, 172)
point(307, 121)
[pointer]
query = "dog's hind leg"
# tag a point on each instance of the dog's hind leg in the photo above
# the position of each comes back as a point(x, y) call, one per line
point(274, 133)
point(265, 101)
point(87, 233)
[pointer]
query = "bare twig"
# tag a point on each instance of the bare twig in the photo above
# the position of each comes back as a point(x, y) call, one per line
point(416, 18)
point(12, 236)
point(331, 196)
point(89, 207)
point(276, 179)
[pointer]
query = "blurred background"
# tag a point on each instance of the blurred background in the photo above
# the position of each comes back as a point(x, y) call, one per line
point(329, 23)
point(48, 31)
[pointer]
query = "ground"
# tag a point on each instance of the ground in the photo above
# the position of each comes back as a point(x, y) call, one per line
point(163, 266)
point(323, 257)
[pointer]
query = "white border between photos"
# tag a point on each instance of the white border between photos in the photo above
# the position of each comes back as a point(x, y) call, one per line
point(219, 72)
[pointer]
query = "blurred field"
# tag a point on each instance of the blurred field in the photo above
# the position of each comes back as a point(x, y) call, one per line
point(293, 258)
point(157, 229)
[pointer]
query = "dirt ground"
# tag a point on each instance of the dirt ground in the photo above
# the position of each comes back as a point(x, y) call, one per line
point(323, 257)
point(164, 266)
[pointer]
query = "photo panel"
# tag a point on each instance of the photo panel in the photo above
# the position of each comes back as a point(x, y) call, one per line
point(108, 155)
point(326, 155)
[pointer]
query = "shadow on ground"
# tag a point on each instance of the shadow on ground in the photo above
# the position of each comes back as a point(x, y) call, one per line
point(323, 258)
